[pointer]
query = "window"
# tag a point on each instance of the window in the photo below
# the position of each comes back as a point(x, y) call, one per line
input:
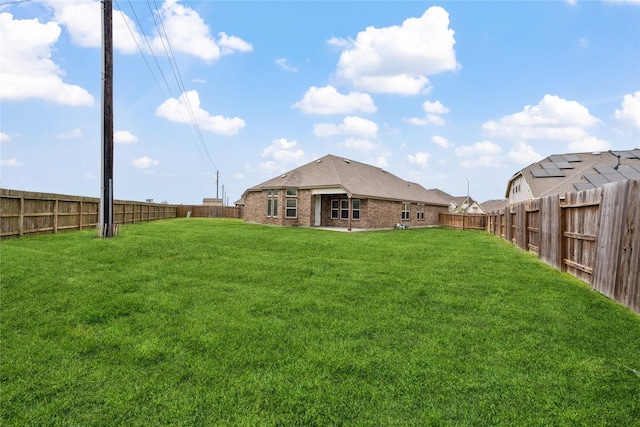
point(420, 213)
point(340, 209)
point(355, 209)
point(515, 186)
point(335, 208)
point(272, 203)
point(406, 211)
point(291, 203)
point(292, 208)
point(344, 209)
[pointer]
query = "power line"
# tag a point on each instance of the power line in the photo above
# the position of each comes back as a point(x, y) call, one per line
point(178, 76)
point(137, 44)
point(175, 70)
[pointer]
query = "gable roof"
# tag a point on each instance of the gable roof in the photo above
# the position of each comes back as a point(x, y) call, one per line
point(494, 205)
point(563, 173)
point(356, 179)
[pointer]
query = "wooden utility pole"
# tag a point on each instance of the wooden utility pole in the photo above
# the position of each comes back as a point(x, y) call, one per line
point(106, 205)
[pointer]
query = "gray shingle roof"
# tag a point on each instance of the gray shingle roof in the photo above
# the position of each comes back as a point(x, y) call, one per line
point(562, 173)
point(494, 205)
point(357, 179)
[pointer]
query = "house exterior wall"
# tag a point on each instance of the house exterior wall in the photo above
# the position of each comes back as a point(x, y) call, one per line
point(519, 190)
point(374, 214)
point(255, 208)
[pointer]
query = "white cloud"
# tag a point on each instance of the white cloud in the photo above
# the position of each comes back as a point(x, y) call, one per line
point(350, 126)
point(480, 154)
point(124, 137)
point(398, 59)
point(420, 159)
point(381, 162)
point(431, 119)
point(434, 107)
point(198, 80)
point(10, 163)
point(177, 110)
point(145, 162)
point(72, 134)
point(238, 175)
point(588, 144)
point(4, 137)
point(26, 69)
point(553, 118)
point(440, 140)
point(434, 111)
point(327, 100)
point(186, 30)
point(360, 144)
point(523, 154)
point(630, 110)
point(335, 41)
point(284, 64)
point(231, 44)
point(283, 151)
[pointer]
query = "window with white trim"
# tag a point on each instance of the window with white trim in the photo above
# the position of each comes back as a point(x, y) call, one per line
point(335, 209)
point(272, 203)
point(420, 213)
point(291, 207)
point(406, 211)
point(355, 208)
point(344, 209)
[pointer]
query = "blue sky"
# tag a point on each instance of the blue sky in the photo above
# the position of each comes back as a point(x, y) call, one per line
point(452, 95)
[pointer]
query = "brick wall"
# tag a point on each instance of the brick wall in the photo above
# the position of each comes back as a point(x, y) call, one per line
point(373, 213)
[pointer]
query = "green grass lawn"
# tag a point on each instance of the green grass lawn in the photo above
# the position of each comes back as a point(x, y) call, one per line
point(216, 322)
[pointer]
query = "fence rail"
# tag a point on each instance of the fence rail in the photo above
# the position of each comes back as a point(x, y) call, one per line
point(27, 213)
point(463, 221)
point(590, 234)
point(201, 211)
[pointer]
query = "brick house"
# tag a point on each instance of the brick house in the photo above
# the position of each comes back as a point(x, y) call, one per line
point(337, 192)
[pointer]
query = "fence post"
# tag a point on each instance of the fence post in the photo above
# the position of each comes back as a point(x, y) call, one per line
point(562, 246)
point(21, 220)
point(55, 216)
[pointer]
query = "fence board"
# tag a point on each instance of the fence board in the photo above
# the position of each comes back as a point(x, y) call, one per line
point(549, 249)
point(463, 221)
point(581, 213)
point(24, 212)
point(609, 239)
point(591, 234)
point(202, 211)
point(629, 270)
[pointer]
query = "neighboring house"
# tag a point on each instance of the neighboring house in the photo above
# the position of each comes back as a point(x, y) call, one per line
point(337, 192)
point(239, 203)
point(460, 204)
point(494, 205)
point(465, 205)
point(563, 173)
point(207, 201)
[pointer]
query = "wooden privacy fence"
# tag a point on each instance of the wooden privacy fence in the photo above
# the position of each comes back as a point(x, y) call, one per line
point(23, 212)
point(590, 234)
point(201, 211)
point(463, 221)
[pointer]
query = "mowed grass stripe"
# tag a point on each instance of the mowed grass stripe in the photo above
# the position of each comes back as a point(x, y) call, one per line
point(216, 322)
